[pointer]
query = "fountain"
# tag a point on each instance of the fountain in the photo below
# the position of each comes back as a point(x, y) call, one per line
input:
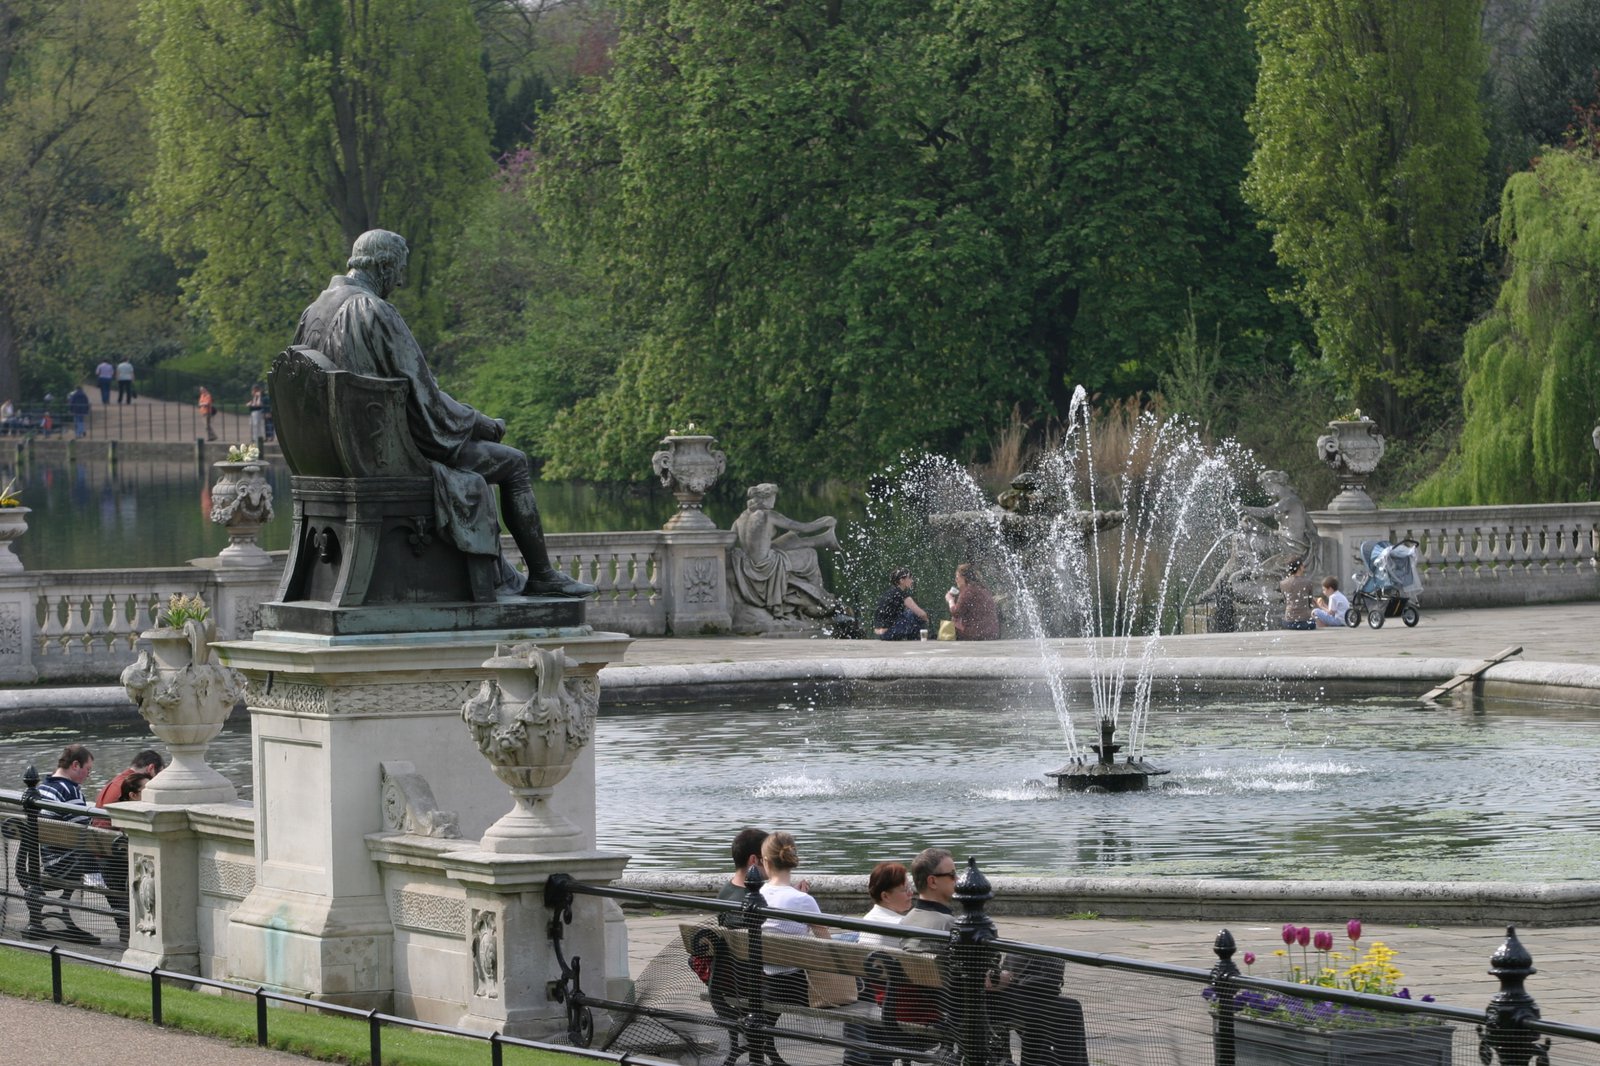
point(1105, 548)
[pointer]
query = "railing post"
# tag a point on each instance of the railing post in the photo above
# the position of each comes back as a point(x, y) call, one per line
point(55, 973)
point(751, 981)
point(1224, 985)
point(1504, 1031)
point(30, 869)
point(971, 961)
point(155, 995)
point(261, 1016)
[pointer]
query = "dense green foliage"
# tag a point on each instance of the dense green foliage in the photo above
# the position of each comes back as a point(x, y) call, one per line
point(77, 281)
point(285, 128)
point(1547, 78)
point(1367, 168)
point(840, 231)
point(1532, 393)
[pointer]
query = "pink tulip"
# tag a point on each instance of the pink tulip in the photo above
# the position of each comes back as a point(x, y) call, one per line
point(1249, 958)
point(1302, 935)
point(1353, 929)
point(1323, 941)
point(1289, 932)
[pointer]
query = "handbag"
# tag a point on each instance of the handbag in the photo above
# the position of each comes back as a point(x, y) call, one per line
point(826, 989)
point(947, 629)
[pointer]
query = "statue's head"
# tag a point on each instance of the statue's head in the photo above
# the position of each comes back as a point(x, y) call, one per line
point(381, 255)
point(762, 495)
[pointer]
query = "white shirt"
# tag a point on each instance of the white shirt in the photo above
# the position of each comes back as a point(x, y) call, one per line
point(1338, 604)
point(880, 913)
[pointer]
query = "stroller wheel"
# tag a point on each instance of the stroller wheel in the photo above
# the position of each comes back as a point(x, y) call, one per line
point(1410, 615)
point(1375, 617)
point(1352, 617)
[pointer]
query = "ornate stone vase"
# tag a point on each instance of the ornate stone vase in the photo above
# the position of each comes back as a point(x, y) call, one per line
point(13, 524)
point(689, 465)
point(1352, 447)
point(531, 721)
point(185, 697)
point(1268, 1042)
point(241, 502)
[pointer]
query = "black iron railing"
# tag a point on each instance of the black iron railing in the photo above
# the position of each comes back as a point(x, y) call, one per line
point(710, 999)
point(376, 1021)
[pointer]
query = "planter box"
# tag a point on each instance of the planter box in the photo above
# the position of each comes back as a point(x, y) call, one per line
point(1260, 1042)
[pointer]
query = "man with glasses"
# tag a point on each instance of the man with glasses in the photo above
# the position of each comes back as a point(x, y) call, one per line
point(1024, 993)
point(933, 872)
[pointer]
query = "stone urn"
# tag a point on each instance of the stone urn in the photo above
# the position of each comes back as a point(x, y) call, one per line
point(531, 721)
point(689, 464)
point(1352, 447)
point(185, 696)
point(13, 524)
point(241, 502)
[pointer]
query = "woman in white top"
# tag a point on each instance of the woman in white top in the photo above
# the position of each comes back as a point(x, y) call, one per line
point(779, 857)
point(892, 896)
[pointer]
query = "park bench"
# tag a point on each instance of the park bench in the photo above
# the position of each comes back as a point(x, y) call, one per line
point(107, 847)
point(904, 1019)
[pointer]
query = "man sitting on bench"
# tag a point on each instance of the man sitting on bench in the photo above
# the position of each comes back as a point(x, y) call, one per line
point(69, 869)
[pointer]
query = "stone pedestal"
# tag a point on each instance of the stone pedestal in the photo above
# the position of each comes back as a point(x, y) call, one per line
point(325, 712)
point(1341, 534)
point(18, 595)
point(694, 581)
point(164, 893)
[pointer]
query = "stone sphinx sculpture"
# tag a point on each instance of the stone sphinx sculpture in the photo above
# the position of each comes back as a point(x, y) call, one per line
point(773, 568)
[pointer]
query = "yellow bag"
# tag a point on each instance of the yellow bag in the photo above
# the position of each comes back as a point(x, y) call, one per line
point(947, 629)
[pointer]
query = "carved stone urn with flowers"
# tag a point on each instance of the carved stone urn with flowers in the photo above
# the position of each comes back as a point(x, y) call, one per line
point(241, 502)
point(689, 464)
point(530, 721)
point(1352, 447)
point(13, 524)
point(185, 696)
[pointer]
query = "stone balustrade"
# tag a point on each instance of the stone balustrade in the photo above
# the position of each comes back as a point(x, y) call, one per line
point(1481, 556)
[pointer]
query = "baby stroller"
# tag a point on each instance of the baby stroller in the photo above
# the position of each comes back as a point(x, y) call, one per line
point(1390, 586)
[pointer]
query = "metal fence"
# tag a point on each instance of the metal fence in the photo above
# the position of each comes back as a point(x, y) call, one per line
point(731, 988)
point(376, 1021)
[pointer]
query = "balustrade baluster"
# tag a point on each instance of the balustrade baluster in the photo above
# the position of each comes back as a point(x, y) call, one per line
point(48, 639)
point(653, 562)
point(75, 635)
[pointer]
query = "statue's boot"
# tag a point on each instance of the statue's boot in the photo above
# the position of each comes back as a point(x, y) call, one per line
point(522, 516)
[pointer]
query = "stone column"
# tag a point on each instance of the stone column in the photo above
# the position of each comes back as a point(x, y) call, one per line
point(325, 712)
point(164, 886)
point(18, 594)
point(694, 582)
point(509, 953)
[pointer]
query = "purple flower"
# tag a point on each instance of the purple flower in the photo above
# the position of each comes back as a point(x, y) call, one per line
point(1352, 929)
point(1289, 932)
point(1249, 958)
point(1302, 935)
point(1323, 941)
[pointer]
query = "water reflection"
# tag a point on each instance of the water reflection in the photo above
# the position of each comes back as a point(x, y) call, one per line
point(90, 514)
point(1371, 790)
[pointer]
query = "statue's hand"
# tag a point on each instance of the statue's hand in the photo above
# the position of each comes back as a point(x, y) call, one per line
point(491, 429)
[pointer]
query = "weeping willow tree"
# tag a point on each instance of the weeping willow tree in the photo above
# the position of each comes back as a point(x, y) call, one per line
point(1532, 366)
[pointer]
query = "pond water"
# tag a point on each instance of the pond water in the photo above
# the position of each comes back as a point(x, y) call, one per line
point(140, 513)
point(1258, 788)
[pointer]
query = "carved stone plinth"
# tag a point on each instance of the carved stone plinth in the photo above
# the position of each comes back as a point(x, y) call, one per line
point(326, 712)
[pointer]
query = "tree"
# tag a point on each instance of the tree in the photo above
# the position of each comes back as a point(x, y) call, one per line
point(1549, 78)
point(77, 282)
point(1367, 171)
point(1532, 390)
point(286, 128)
point(838, 231)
